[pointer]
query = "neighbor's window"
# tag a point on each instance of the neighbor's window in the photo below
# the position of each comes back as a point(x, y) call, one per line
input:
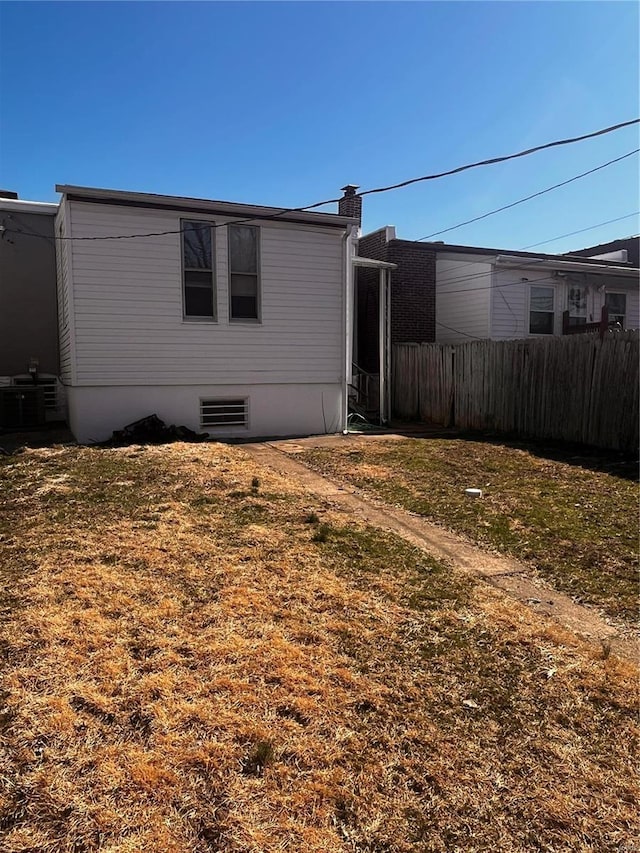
point(617, 306)
point(197, 270)
point(577, 305)
point(541, 310)
point(244, 279)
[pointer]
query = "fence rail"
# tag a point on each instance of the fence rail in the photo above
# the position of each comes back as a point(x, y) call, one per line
point(580, 388)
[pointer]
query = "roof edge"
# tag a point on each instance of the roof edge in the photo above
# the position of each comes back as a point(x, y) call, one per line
point(49, 208)
point(518, 253)
point(254, 211)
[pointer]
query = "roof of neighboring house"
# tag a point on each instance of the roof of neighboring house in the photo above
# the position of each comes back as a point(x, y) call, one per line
point(201, 205)
point(631, 244)
point(482, 250)
point(441, 246)
point(14, 205)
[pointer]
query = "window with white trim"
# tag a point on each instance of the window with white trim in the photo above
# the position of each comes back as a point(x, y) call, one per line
point(541, 310)
point(617, 306)
point(223, 413)
point(197, 270)
point(244, 276)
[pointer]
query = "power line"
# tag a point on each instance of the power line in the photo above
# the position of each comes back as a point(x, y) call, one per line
point(463, 264)
point(207, 225)
point(498, 288)
point(464, 278)
point(582, 230)
point(473, 276)
point(504, 159)
point(529, 197)
point(30, 232)
point(457, 170)
point(457, 331)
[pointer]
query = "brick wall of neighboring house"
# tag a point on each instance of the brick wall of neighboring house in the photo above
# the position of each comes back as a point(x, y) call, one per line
point(413, 294)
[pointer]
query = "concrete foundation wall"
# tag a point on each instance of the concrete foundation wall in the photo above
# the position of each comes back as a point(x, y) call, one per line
point(273, 410)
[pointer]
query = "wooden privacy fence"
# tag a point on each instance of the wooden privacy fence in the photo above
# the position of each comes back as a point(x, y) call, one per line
point(576, 388)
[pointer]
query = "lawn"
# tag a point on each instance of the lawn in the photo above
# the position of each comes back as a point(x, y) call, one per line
point(577, 526)
point(198, 657)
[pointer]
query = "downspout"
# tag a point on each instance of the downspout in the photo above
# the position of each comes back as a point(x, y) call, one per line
point(348, 239)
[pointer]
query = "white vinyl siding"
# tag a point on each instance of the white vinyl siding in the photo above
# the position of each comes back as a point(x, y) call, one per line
point(510, 302)
point(462, 299)
point(128, 312)
point(63, 251)
point(633, 305)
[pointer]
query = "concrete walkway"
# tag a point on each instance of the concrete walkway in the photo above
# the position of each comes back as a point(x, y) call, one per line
point(513, 578)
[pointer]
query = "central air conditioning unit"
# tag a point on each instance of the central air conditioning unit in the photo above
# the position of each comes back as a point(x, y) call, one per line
point(22, 407)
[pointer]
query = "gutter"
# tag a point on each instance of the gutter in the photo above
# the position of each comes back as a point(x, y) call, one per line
point(569, 266)
point(18, 205)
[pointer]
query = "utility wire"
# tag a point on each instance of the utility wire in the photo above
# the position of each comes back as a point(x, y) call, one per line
point(473, 276)
point(582, 230)
point(497, 287)
point(458, 331)
point(457, 170)
point(463, 264)
point(466, 278)
point(493, 160)
point(529, 197)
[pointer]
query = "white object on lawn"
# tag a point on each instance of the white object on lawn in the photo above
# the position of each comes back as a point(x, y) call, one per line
point(473, 493)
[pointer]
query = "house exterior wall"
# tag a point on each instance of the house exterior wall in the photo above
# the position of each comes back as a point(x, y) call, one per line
point(480, 298)
point(283, 409)
point(632, 289)
point(412, 303)
point(132, 353)
point(510, 299)
point(463, 297)
point(128, 314)
point(510, 302)
point(64, 293)
point(28, 326)
point(413, 297)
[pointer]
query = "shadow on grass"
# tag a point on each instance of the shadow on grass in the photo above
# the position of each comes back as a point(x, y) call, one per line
point(625, 465)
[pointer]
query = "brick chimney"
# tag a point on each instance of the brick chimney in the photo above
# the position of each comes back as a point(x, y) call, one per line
point(350, 204)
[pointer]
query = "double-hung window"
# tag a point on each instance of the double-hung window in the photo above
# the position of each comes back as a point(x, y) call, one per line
point(244, 275)
point(541, 310)
point(197, 270)
point(617, 306)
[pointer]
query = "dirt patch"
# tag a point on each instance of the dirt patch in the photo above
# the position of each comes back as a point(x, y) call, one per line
point(507, 574)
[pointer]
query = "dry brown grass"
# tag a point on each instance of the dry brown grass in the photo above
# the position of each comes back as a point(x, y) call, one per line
point(188, 667)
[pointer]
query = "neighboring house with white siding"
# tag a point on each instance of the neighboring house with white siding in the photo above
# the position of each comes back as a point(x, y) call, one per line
point(450, 293)
point(228, 318)
point(502, 294)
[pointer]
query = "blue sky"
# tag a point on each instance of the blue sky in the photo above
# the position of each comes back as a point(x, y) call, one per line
point(284, 103)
